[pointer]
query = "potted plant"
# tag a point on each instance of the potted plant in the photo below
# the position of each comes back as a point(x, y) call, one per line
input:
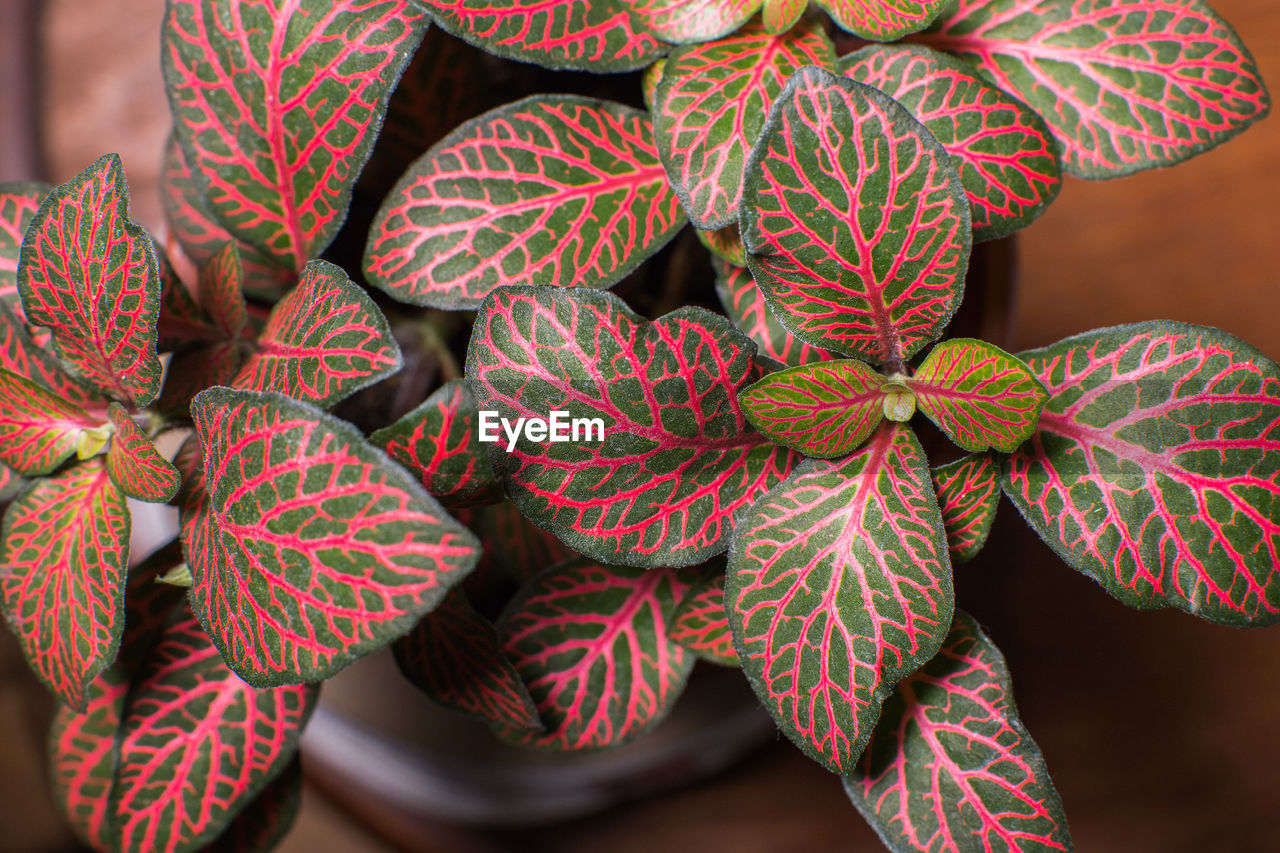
point(592, 497)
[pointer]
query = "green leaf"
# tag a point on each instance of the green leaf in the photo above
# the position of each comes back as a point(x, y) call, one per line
point(20, 354)
point(883, 20)
point(725, 244)
point(750, 313)
point(968, 495)
point(1155, 468)
point(839, 586)
point(951, 766)
point(89, 276)
point(38, 430)
point(133, 462)
point(781, 15)
point(691, 21)
point(855, 219)
point(314, 548)
point(552, 190)
point(18, 205)
point(979, 395)
point(700, 622)
point(823, 410)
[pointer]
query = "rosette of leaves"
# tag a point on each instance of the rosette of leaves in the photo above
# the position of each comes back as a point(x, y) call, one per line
point(759, 497)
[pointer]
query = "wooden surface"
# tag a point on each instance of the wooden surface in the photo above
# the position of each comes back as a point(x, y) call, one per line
point(1162, 733)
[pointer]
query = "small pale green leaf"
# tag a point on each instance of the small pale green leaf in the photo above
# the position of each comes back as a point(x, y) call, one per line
point(823, 410)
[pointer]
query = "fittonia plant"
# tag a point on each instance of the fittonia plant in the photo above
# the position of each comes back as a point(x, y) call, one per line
point(840, 197)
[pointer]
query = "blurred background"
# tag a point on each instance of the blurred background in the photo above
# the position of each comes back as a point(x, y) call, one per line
point(1162, 733)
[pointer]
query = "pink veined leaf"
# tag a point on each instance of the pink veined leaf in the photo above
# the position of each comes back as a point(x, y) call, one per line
point(779, 16)
point(62, 572)
point(440, 442)
point(10, 484)
point(822, 410)
point(454, 655)
point(201, 236)
point(514, 548)
point(591, 643)
point(979, 396)
point(323, 342)
point(712, 104)
point(839, 586)
point(82, 760)
point(649, 81)
point(20, 354)
point(725, 244)
point(1125, 85)
point(700, 622)
point(553, 190)
point(951, 767)
point(276, 106)
point(89, 276)
point(183, 322)
point(666, 458)
point(267, 820)
point(1155, 468)
point(883, 20)
point(312, 547)
point(197, 744)
point(750, 313)
point(588, 35)
point(691, 21)
point(1008, 159)
point(38, 430)
point(134, 464)
point(855, 220)
point(968, 495)
point(222, 291)
point(18, 205)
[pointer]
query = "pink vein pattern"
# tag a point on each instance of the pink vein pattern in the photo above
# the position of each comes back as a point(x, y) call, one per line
point(701, 623)
point(968, 495)
point(18, 205)
point(82, 760)
point(747, 309)
point(883, 20)
point(692, 21)
point(825, 409)
point(134, 464)
point(38, 430)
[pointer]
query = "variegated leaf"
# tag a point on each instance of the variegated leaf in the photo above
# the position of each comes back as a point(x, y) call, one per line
point(454, 655)
point(323, 342)
point(38, 430)
point(979, 396)
point(20, 354)
point(1155, 468)
point(554, 189)
point(712, 104)
point(883, 20)
point(665, 457)
point(1007, 157)
point(951, 767)
point(822, 410)
point(82, 759)
point(276, 106)
point(968, 495)
point(692, 21)
point(221, 288)
point(700, 622)
point(781, 15)
point(838, 586)
point(588, 35)
point(197, 744)
point(591, 643)
point(63, 555)
point(747, 309)
point(89, 276)
point(440, 442)
point(1125, 85)
point(315, 548)
point(18, 205)
point(134, 464)
point(855, 219)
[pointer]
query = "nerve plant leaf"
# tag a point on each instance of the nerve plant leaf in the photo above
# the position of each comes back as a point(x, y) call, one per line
point(588, 35)
point(440, 442)
point(883, 20)
point(700, 622)
point(89, 276)
point(323, 342)
point(745, 304)
point(855, 219)
point(968, 495)
point(554, 189)
point(82, 759)
point(951, 766)
point(838, 586)
point(276, 107)
point(979, 395)
point(822, 410)
point(1007, 156)
point(591, 643)
point(134, 464)
point(63, 557)
point(18, 205)
point(267, 820)
point(1155, 469)
point(38, 430)
point(726, 245)
point(20, 354)
point(1125, 85)
point(711, 105)
point(314, 548)
point(454, 655)
point(672, 458)
point(691, 21)
point(197, 744)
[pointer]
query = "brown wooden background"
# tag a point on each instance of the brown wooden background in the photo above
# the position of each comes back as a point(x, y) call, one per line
point(1163, 734)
